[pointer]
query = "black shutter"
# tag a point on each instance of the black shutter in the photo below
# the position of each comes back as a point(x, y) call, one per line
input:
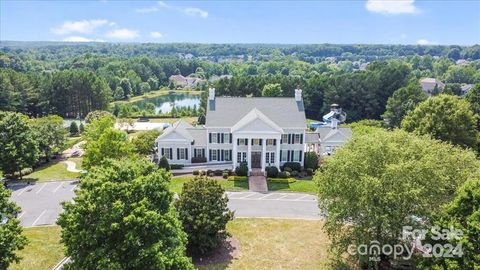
point(274, 141)
point(260, 142)
point(281, 139)
point(171, 153)
point(210, 137)
point(218, 154)
point(209, 154)
point(163, 151)
point(222, 135)
point(238, 141)
point(186, 153)
point(218, 137)
point(246, 141)
point(289, 138)
point(292, 154)
point(301, 138)
point(289, 155)
point(230, 137)
point(281, 155)
point(178, 153)
point(230, 155)
point(223, 155)
point(203, 152)
point(300, 156)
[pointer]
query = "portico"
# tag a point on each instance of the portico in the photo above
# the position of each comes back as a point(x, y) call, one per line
point(258, 150)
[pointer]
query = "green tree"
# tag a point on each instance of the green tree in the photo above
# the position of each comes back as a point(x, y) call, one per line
point(94, 130)
point(399, 176)
point(73, 128)
point(163, 163)
point(311, 160)
point(111, 144)
point(204, 213)
point(18, 146)
point(401, 102)
point(444, 117)
point(126, 87)
point(94, 115)
point(462, 214)
point(272, 90)
point(473, 97)
point(145, 142)
point(81, 128)
point(10, 230)
point(132, 224)
point(201, 120)
point(50, 134)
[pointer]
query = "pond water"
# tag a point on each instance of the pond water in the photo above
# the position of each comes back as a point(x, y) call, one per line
point(164, 104)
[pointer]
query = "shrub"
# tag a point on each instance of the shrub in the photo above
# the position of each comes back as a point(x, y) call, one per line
point(237, 178)
point(73, 128)
point(164, 163)
point(209, 232)
point(283, 174)
point(287, 169)
point(229, 172)
point(294, 173)
point(311, 160)
point(211, 174)
point(203, 172)
point(309, 171)
point(196, 172)
point(199, 159)
point(242, 170)
point(176, 166)
point(272, 171)
point(282, 180)
point(218, 172)
point(225, 175)
point(295, 166)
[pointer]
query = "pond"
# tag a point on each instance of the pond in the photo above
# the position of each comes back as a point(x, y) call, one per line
point(164, 104)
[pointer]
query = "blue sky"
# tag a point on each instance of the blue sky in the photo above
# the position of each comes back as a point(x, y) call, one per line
point(354, 21)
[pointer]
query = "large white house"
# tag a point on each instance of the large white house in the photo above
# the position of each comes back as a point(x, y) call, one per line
point(262, 131)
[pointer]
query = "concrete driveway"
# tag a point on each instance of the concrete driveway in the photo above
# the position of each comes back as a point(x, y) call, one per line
point(41, 203)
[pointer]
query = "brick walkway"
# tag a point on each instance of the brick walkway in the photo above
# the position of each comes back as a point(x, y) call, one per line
point(257, 182)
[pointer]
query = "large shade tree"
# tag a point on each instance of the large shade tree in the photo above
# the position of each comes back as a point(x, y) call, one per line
point(473, 96)
point(380, 182)
point(444, 117)
point(122, 218)
point(50, 134)
point(401, 102)
point(11, 238)
point(18, 146)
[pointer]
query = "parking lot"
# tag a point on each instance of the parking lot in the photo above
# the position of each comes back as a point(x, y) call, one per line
point(41, 203)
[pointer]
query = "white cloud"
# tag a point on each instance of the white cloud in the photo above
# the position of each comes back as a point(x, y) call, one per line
point(84, 27)
point(424, 42)
point(192, 11)
point(392, 6)
point(81, 39)
point(122, 33)
point(163, 4)
point(156, 34)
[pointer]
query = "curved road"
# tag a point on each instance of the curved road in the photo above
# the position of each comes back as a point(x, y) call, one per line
point(41, 203)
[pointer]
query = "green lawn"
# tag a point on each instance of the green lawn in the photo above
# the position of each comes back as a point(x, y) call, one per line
point(264, 244)
point(307, 186)
point(43, 251)
point(176, 184)
point(78, 161)
point(54, 170)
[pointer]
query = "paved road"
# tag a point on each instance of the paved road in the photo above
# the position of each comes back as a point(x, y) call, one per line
point(41, 203)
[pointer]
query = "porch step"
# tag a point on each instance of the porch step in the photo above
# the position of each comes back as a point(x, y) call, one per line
point(257, 172)
point(258, 184)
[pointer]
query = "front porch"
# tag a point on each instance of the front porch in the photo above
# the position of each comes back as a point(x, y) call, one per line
point(258, 151)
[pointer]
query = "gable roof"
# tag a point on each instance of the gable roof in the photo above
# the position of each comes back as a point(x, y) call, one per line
point(285, 112)
point(180, 128)
point(253, 115)
point(334, 134)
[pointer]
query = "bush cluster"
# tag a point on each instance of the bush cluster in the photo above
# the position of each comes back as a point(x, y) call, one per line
point(272, 171)
point(294, 166)
point(242, 170)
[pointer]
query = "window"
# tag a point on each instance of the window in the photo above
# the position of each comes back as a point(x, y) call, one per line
point(267, 157)
point(182, 153)
point(214, 155)
point(198, 152)
point(296, 156)
point(284, 138)
point(214, 137)
point(241, 142)
point(283, 155)
point(256, 141)
point(272, 157)
point(241, 156)
point(226, 137)
point(166, 153)
point(227, 155)
point(244, 156)
point(297, 138)
point(270, 141)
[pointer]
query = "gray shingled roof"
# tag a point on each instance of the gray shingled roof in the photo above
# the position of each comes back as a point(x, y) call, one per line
point(311, 137)
point(199, 136)
point(326, 132)
point(286, 112)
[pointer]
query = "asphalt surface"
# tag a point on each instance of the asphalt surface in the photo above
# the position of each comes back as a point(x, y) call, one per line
point(41, 203)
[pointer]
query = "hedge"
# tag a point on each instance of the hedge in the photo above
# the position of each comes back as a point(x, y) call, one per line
point(176, 166)
point(282, 180)
point(237, 178)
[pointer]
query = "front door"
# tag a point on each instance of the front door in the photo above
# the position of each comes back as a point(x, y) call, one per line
point(256, 159)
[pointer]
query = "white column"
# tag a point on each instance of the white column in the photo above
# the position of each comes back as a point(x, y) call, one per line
point(264, 150)
point(234, 151)
point(277, 154)
point(249, 153)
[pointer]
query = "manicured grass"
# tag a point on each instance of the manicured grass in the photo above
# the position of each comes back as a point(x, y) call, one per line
point(71, 141)
point(277, 244)
point(43, 251)
point(176, 184)
point(307, 186)
point(50, 172)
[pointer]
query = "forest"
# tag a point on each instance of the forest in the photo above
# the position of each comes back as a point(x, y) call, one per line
point(68, 79)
